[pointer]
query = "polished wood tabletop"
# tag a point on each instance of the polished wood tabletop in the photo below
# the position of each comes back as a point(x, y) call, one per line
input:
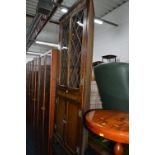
point(110, 124)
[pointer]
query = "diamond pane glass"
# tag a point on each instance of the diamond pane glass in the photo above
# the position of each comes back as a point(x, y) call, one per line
point(75, 53)
point(64, 53)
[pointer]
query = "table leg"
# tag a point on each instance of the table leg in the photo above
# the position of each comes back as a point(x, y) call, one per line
point(118, 149)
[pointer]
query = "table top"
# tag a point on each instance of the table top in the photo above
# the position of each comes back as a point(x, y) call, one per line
point(110, 124)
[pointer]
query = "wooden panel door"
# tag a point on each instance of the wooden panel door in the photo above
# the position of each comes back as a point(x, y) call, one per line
point(73, 87)
point(69, 93)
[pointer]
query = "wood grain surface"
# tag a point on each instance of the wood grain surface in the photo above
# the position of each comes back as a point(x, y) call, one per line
point(112, 125)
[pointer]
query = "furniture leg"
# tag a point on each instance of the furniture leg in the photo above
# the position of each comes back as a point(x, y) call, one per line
point(118, 149)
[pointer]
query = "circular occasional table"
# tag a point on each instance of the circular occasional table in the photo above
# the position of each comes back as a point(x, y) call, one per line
point(110, 124)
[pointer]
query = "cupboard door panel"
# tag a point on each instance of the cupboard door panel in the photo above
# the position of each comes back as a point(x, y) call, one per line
point(60, 115)
point(71, 135)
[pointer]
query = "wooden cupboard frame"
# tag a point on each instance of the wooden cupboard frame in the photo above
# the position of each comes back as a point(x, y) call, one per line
point(72, 101)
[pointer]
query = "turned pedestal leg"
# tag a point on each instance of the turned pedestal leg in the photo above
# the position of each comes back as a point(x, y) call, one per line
point(118, 149)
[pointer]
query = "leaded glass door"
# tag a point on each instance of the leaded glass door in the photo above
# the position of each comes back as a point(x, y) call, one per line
point(74, 68)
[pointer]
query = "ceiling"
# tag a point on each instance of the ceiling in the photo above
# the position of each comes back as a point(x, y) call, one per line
point(50, 32)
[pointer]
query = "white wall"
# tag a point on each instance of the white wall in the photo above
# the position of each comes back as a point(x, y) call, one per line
point(113, 40)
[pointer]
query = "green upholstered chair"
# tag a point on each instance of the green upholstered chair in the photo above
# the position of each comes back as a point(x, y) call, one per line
point(113, 85)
